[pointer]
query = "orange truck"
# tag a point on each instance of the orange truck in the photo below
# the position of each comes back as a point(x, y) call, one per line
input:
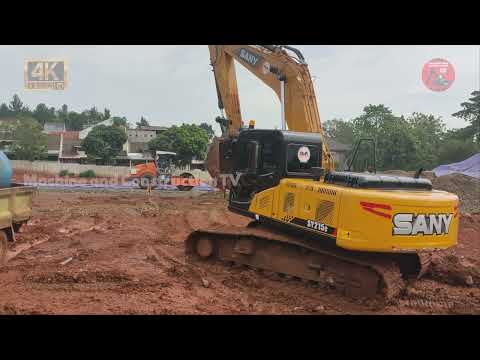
point(161, 172)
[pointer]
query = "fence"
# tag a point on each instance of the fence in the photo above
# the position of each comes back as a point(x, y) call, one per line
point(54, 168)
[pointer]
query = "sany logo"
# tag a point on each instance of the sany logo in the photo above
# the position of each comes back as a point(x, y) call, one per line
point(409, 224)
point(303, 154)
point(249, 57)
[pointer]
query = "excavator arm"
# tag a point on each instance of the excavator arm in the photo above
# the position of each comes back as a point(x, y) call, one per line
point(284, 70)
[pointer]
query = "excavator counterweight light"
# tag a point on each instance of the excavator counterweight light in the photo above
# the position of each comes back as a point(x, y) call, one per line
point(251, 124)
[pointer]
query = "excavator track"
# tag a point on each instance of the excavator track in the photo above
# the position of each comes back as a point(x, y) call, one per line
point(355, 274)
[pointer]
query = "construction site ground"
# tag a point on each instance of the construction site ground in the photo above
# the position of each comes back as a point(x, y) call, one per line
point(121, 252)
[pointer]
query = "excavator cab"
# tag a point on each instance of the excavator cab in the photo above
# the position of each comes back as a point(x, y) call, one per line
point(261, 158)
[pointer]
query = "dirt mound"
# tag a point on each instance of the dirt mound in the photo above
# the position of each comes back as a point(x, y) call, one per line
point(466, 187)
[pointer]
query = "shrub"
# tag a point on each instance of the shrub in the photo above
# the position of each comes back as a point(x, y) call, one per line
point(71, 174)
point(87, 174)
point(63, 173)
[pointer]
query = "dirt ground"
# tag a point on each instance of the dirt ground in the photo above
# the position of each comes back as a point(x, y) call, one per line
point(122, 253)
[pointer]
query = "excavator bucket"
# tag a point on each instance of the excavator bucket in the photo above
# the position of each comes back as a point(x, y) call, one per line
point(213, 158)
point(218, 164)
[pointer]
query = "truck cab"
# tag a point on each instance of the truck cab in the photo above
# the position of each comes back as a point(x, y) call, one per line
point(162, 172)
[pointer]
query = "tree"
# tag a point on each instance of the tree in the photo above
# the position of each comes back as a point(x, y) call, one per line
point(339, 130)
point(30, 143)
point(120, 122)
point(104, 142)
point(142, 122)
point(163, 142)
point(92, 116)
point(43, 114)
point(106, 114)
point(62, 114)
point(427, 132)
point(5, 111)
point(209, 129)
point(454, 150)
point(188, 141)
point(471, 113)
point(75, 121)
point(395, 144)
point(16, 105)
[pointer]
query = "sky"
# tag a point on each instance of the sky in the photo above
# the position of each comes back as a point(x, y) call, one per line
point(171, 85)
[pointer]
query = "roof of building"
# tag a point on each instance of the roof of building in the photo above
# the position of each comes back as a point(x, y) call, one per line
point(153, 128)
point(50, 127)
point(83, 134)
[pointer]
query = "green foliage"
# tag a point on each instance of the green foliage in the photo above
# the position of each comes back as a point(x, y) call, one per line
point(16, 105)
point(188, 141)
point(43, 114)
point(104, 142)
point(454, 150)
point(63, 173)
point(89, 174)
point(471, 113)
point(395, 143)
point(341, 131)
point(163, 142)
point(142, 122)
point(120, 122)
point(30, 143)
point(209, 129)
point(419, 140)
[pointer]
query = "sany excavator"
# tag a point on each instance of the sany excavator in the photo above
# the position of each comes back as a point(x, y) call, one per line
point(361, 232)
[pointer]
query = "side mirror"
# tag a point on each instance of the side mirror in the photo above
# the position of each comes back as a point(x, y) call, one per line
point(318, 172)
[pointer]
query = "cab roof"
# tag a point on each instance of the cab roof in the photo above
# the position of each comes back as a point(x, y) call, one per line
point(283, 135)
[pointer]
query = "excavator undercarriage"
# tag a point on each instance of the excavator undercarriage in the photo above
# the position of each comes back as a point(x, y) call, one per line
point(355, 274)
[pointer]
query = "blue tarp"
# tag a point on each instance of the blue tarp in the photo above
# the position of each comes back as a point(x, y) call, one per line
point(470, 167)
point(126, 186)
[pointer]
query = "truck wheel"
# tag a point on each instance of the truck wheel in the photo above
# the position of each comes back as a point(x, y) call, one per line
point(3, 247)
point(147, 179)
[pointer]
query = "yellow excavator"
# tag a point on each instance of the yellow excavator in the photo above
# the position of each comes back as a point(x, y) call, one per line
point(362, 232)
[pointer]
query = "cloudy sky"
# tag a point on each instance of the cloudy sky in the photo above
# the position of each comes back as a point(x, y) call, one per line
point(173, 84)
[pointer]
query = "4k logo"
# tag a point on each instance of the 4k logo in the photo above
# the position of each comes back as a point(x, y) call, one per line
point(45, 74)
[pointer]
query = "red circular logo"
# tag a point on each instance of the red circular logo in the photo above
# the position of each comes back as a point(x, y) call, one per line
point(438, 74)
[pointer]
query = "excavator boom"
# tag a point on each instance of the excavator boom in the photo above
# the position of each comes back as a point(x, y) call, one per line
point(286, 74)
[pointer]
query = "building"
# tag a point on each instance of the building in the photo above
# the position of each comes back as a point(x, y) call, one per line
point(157, 129)
point(54, 127)
point(339, 152)
point(65, 147)
point(137, 139)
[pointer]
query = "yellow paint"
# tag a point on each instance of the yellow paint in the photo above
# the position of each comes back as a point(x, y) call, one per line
point(357, 228)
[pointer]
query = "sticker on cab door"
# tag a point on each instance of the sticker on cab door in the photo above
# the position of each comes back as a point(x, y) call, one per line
point(303, 154)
